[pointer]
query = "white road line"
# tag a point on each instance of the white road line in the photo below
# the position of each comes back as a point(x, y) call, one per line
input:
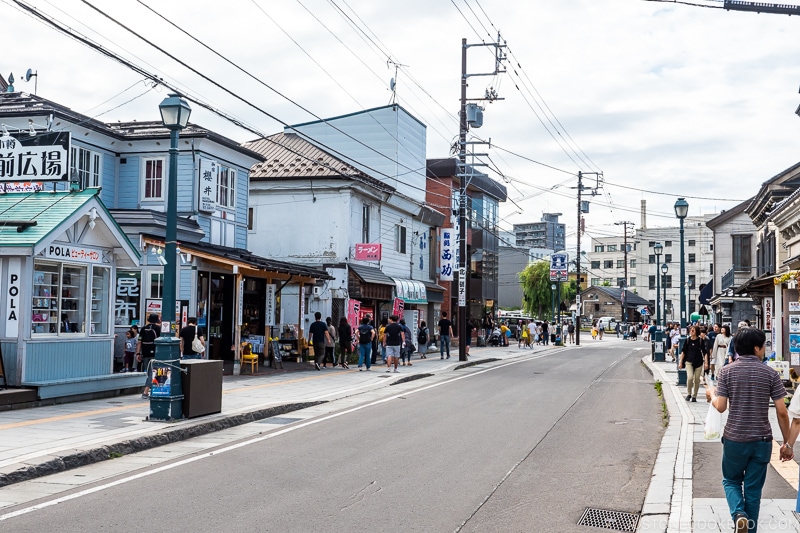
point(238, 445)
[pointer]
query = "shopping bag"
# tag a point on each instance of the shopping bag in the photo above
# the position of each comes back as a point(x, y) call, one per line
point(713, 426)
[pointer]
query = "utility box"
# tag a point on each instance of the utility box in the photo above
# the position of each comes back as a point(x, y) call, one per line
point(202, 387)
point(474, 115)
point(657, 351)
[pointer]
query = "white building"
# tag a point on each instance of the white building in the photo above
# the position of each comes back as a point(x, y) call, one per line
point(606, 262)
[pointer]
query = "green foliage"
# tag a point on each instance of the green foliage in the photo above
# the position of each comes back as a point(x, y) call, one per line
point(606, 283)
point(536, 294)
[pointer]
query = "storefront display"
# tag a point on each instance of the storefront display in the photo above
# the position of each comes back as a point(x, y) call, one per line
point(60, 295)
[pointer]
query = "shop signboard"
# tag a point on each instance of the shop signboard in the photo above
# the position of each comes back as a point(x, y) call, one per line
point(127, 297)
point(41, 157)
point(13, 282)
point(558, 266)
point(207, 199)
point(162, 382)
point(23, 186)
point(794, 307)
point(75, 252)
point(398, 307)
point(794, 323)
point(270, 318)
point(462, 287)
point(768, 313)
point(446, 254)
point(368, 252)
point(353, 312)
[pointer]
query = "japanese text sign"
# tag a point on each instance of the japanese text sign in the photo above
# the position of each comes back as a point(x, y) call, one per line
point(368, 252)
point(43, 157)
point(207, 186)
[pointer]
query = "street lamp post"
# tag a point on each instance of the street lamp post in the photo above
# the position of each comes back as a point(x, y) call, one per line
point(168, 405)
point(658, 248)
point(681, 210)
point(553, 301)
point(664, 270)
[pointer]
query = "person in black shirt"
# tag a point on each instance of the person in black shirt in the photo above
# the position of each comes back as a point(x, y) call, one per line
point(693, 358)
point(393, 339)
point(445, 332)
point(317, 335)
point(187, 337)
point(345, 341)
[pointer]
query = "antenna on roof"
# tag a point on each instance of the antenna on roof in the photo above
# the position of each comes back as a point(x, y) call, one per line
point(393, 81)
point(31, 74)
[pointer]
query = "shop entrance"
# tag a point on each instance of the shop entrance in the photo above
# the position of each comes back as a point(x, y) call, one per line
point(215, 312)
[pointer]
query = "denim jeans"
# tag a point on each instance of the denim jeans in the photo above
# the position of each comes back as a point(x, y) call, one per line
point(744, 470)
point(364, 354)
point(444, 344)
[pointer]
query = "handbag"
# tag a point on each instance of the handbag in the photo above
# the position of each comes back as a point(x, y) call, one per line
point(197, 345)
point(713, 426)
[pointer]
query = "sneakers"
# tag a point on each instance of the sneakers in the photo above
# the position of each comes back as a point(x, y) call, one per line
point(316, 366)
point(741, 524)
point(688, 396)
point(389, 370)
point(345, 366)
point(409, 363)
point(442, 357)
point(360, 369)
point(395, 371)
point(694, 400)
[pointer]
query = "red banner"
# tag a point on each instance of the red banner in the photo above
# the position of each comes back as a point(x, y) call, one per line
point(398, 307)
point(368, 252)
point(353, 312)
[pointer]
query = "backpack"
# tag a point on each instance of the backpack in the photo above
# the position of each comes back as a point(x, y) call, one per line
point(148, 334)
point(422, 336)
point(364, 334)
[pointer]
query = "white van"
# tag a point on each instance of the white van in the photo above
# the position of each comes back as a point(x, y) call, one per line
point(609, 323)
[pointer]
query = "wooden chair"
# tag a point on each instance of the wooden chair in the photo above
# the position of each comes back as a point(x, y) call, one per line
point(248, 357)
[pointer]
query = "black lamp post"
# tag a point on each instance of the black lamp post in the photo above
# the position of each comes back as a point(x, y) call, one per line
point(664, 270)
point(658, 248)
point(168, 404)
point(681, 210)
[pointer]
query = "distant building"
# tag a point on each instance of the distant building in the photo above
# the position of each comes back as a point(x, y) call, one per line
point(512, 261)
point(547, 233)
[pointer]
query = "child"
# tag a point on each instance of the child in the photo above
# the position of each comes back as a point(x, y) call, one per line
point(594, 332)
point(130, 350)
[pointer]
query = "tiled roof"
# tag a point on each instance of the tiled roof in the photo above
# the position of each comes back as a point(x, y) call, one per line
point(46, 209)
point(288, 156)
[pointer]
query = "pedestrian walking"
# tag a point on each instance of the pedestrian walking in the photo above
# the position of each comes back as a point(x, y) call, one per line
point(393, 339)
point(408, 345)
point(693, 358)
point(423, 340)
point(146, 349)
point(601, 328)
point(747, 388)
point(317, 335)
point(445, 332)
point(187, 335)
point(571, 332)
point(787, 450)
point(330, 344)
point(381, 335)
point(366, 334)
point(345, 342)
point(545, 332)
point(720, 350)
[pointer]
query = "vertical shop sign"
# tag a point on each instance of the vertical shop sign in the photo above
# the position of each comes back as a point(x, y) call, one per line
point(398, 307)
point(446, 255)
point(127, 298)
point(207, 186)
point(353, 312)
point(239, 321)
point(462, 287)
point(13, 283)
point(270, 318)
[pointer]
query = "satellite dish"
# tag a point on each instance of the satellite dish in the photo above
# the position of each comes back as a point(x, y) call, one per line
point(29, 74)
point(392, 84)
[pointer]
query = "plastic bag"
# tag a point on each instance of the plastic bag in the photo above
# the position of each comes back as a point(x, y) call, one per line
point(713, 426)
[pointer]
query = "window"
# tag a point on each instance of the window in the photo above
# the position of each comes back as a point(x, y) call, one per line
point(667, 243)
point(691, 242)
point(101, 282)
point(611, 248)
point(711, 247)
point(620, 282)
point(651, 259)
point(400, 239)
point(85, 167)
point(59, 298)
point(251, 219)
point(607, 282)
point(596, 307)
point(154, 179)
point(595, 264)
point(651, 244)
point(620, 263)
point(711, 268)
point(127, 297)
point(156, 284)
point(651, 282)
point(608, 263)
point(633, 282)
point(365, 223)
point(668, 258)
point(226, 187)
point(741, 253)
point(691, 281)
point(692, 258)
point(666, 281)
point(598, 248)
point(633, 263)
point(595, 282)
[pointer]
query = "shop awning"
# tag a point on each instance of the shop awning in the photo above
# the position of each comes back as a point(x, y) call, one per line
point(760, 285)
point(435, 292)
point(706, 292)
point(369, 274)
point(411, 291)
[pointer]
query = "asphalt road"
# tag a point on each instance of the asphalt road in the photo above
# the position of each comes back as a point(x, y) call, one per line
point(519, 446)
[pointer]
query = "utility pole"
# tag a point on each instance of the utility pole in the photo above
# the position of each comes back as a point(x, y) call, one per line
point(624, 286)
point(475, 120)
point(583, 207)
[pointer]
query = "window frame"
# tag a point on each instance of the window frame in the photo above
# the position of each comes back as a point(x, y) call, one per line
point(161, 182)
point(226, 187)
point(94, 172)
point(400, 238)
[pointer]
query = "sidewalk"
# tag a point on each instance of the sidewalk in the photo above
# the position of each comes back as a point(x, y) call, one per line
point(44, 440)
point(675, 501)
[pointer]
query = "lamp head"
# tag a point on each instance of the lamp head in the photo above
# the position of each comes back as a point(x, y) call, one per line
point(658, 248)
point(664, 268)
point(681, 208)
point(175, 112)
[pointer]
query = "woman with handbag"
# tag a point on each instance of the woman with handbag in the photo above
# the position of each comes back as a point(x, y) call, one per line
point(192, 345)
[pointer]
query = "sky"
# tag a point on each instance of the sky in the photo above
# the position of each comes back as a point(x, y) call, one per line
point(666, 100)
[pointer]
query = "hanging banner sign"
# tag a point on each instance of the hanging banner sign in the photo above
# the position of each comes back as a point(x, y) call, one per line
point(559, 266)
point(398, 307)
point(13, 284)
point(368, 252)
point(41, 157)
point(207, 186)
point(270, 318)
point(353, 312)
point(447, 264)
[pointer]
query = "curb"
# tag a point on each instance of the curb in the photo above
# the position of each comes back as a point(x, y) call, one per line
point(80, 458)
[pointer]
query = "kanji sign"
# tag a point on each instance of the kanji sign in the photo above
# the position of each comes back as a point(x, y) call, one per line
point(43, 157)
point(447, 259)
point(559, 266)
point(207, 186)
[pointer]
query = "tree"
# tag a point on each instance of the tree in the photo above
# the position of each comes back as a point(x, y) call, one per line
point(536, 293)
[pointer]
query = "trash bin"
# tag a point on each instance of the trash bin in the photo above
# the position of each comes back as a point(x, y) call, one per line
point(202, 387)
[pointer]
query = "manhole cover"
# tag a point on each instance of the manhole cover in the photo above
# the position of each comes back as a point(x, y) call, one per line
point(605, 519)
